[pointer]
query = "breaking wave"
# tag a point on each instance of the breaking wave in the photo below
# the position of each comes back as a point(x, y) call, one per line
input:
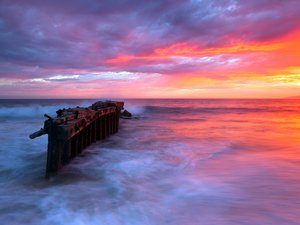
point(35, 108)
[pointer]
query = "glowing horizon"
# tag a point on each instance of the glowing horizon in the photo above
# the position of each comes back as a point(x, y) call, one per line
point(157, 49)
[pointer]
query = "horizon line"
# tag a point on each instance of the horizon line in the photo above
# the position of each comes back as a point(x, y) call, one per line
point(174, 98)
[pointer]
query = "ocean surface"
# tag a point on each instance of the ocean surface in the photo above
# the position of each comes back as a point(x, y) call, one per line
point(178, 162)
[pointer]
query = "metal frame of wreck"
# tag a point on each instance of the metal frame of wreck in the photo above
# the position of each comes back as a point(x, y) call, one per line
point(74, 129)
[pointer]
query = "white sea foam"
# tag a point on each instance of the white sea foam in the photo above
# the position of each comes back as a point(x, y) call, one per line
point(34, 111)
point(37, 110)
point(135, 110)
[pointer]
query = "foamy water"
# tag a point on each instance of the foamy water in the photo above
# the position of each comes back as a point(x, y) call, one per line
point(177, 162)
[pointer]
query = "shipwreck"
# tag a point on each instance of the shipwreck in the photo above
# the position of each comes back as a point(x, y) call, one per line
point(74, 129)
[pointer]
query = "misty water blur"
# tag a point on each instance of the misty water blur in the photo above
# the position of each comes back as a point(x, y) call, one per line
point(177, 162)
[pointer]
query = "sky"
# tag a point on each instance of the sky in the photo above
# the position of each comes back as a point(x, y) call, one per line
point(149, 49)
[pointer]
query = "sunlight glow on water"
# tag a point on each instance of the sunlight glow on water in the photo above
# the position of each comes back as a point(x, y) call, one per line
point(179, 162)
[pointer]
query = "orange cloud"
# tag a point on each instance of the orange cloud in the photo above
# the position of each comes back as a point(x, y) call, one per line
point(188, 50)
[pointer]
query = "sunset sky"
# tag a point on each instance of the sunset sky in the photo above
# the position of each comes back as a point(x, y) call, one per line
point(149, 49)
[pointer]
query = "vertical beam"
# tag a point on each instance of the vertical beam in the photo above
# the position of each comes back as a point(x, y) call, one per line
point(109, 124)
point(93, 131)
point(117, 120)
point(55, 148)
point(74, 146)
point(83, 138)
point(88, 135)
point(106, 126)
point(66, 155)
point(80, 143)
point(98, 129)
point(112, 122)
point(103, 125)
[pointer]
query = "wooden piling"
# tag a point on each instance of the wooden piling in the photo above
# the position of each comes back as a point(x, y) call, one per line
point(83, 138)
point(98, 129)
point(67, 148)
point(74, 146)
point(93, 131)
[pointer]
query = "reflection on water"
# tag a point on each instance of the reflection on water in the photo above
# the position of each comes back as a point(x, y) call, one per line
point(179, 162)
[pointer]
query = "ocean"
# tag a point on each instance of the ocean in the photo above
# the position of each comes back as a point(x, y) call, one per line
point(177, 162)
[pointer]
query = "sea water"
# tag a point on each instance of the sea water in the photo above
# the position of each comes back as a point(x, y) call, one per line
point(179, 162)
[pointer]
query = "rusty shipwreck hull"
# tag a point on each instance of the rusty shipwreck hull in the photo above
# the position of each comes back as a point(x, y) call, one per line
point(74, 129)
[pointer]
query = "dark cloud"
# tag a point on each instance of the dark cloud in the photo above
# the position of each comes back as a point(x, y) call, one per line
point(82, 34)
